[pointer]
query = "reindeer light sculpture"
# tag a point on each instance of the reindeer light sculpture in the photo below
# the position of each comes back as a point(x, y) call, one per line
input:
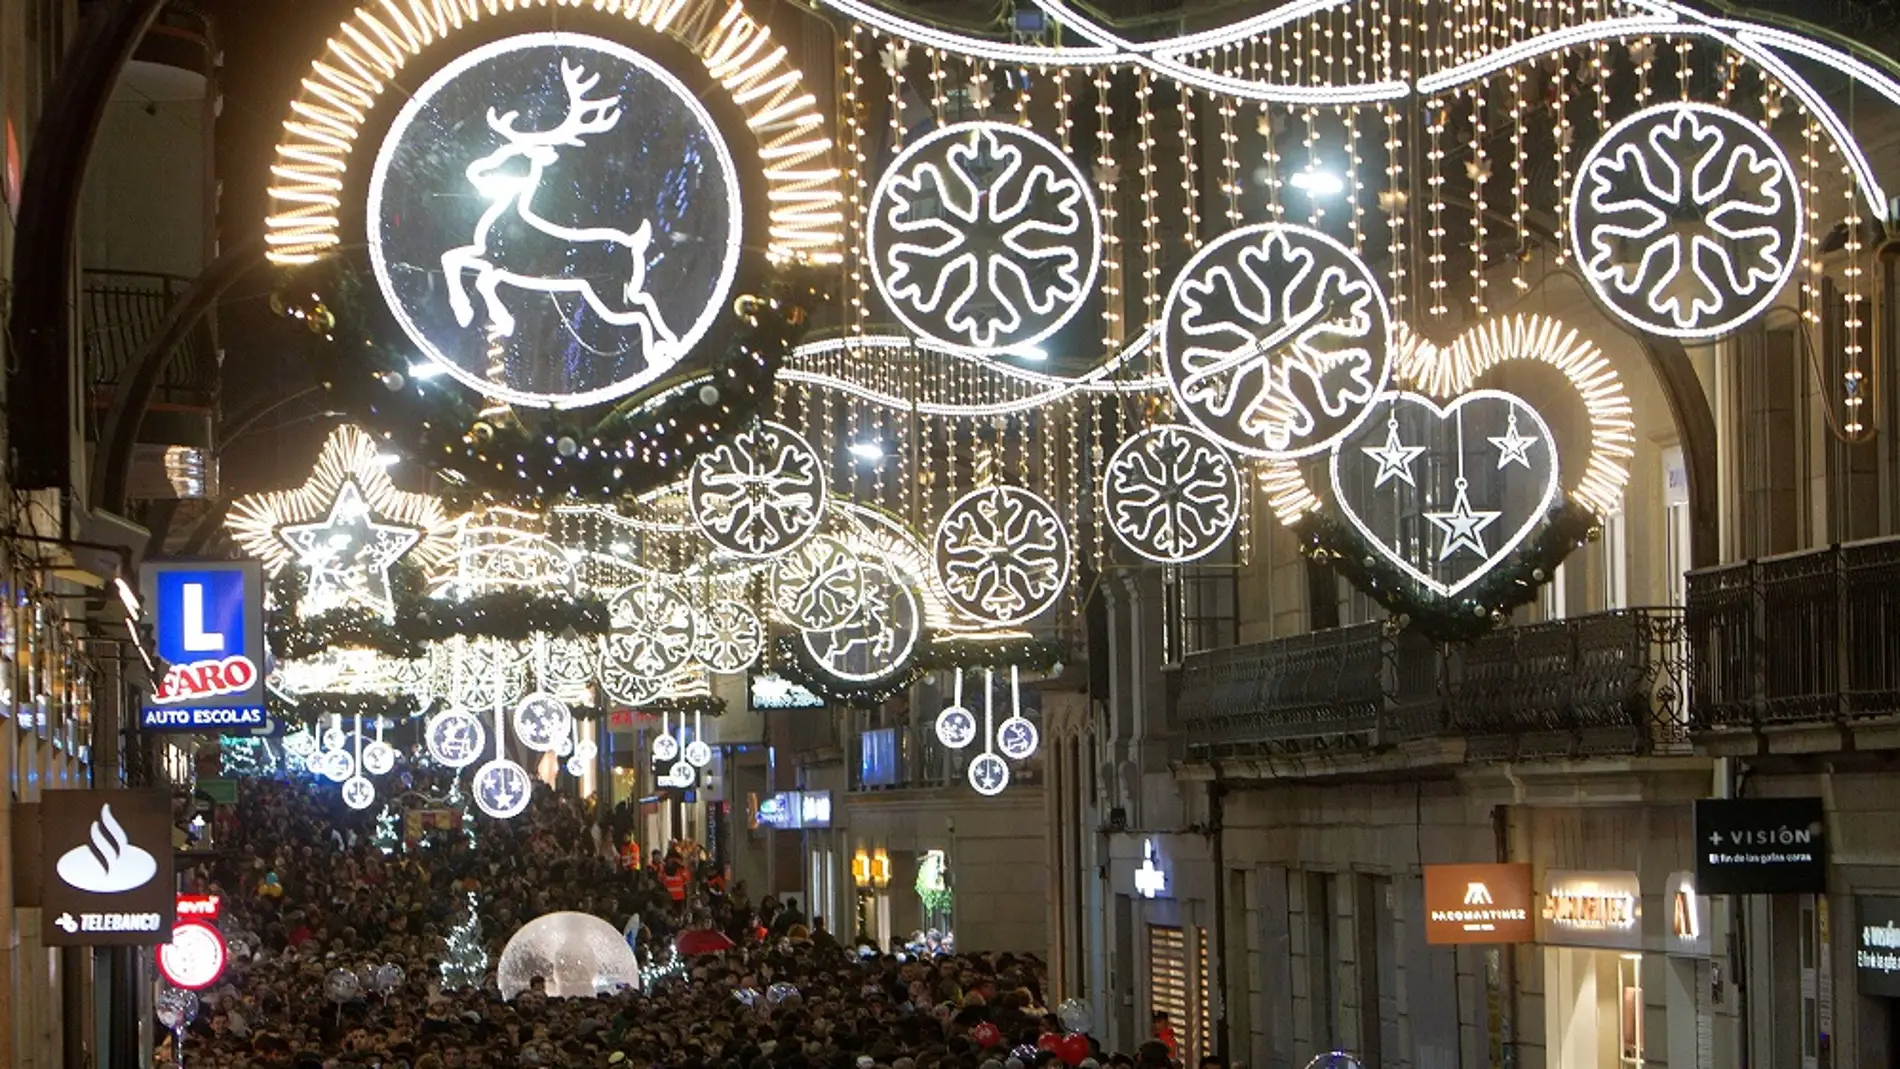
point(515, 247)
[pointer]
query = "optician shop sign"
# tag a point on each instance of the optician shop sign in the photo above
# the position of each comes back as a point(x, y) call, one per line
point(208, 621)
point(1478, 904)
point(1877, 946)
point(1593, 909)
point(106, 868)
point(1760, 846)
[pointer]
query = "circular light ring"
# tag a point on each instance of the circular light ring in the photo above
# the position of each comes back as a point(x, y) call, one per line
point(195, 957)
point(655, 364)
point(818, 585)
point(365, 60)
point(358, 793)
point(721, 491)
point(1636, 145)
point(577, 766)
point(502, 789)
point(665, 748)
point(988, 774)
point(1166, 514)
point(956, 727)
point(731, 636)
point(653, 634)
point(455, 738)
point(1003, 555)
point(379, 758)
point(1017, 738)
point(1051, 174)
point(886, 626)
point(1265, 424)
point(335, 765)
point(698, 753)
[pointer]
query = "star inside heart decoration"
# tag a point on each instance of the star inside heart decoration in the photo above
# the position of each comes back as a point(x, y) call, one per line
point(1453, 503)
point(345, 527)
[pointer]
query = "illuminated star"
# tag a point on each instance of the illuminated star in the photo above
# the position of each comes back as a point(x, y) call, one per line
point(348, 554)
point(1394, 457)
point(1463, 526)
point(1514, 448)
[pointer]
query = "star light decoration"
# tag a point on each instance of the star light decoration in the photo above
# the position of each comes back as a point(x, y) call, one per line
point(346, 526)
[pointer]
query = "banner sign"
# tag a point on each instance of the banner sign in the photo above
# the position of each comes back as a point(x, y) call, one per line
point(1593, 909)
point(1478, 904)
point(1760, 846)
point(106, 868)
point(793, 810)
point(208, 621)
point(1877, 946)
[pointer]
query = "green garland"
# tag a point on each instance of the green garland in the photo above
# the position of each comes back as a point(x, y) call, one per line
point(314, 707)
point(511, 615)
point(791, 660)
point(1479, 607)
point(700, 704)
point(539, 456)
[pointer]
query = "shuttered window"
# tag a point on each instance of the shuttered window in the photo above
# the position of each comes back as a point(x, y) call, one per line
point(1203, 1005)
point(1168, 983)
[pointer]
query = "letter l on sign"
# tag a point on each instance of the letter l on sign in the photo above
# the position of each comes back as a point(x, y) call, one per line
point(197, 639)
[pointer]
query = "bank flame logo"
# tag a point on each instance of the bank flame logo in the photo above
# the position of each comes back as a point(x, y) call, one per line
point(109, 863)
point(1477, 894)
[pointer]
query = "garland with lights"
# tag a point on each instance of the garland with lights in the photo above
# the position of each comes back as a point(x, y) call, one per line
point(532, 455)
point(791, 660)
point(704, 705)
point(316, 706)
point(512, 615)
point(1476, 609)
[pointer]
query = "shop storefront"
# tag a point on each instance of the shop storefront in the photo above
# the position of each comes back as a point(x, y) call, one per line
point(1877, 970)
point(1591, 928)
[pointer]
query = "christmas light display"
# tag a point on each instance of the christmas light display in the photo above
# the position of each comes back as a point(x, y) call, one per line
point(760, 494)
point(1171, 494)
point(1003, 554)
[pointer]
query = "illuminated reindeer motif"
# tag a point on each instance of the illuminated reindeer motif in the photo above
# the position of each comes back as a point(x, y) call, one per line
point(516, 247)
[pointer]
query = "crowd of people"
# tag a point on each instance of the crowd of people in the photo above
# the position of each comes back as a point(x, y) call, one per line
point(310, 887)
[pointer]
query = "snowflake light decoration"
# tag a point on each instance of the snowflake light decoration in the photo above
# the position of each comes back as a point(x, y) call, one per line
point(984, 236)
point(346, 525)
point(730, 637)
point(1687, 220)
point(818, 585)
point(653, 630)
point(1003, 554)
point(879, 638)
point(759, 494)
point(1275, 339)
point(1172, 494)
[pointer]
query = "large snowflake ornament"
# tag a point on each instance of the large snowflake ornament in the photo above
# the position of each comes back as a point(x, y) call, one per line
point(818, 585)
point(1002, 554)
point(653, 630)
point(1275, 339)
point(730, 637)
point(1686, 220)
point(1172, 494)
point(759, 494)
point(984, 236)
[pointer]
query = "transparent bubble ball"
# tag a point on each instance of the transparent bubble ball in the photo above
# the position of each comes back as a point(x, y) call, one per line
point(577, 955)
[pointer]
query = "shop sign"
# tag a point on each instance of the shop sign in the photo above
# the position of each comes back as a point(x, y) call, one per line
point(106, 868)
point(1593, 909)
point(1150, 879)
point(1877, 946)
point(793, 810)
point(208, 626)
point(1687, 932)
point(1478, 904)
point(1760, 846)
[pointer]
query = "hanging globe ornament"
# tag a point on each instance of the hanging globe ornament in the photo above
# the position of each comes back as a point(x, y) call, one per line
point(358, 793)
point(698, 754)
point(665, 747)
point(502, 788)
point(176, 1007)
point(683, 775)
point(455, 738)
point(956, 727)
point(379, 758)
point(334, 738)
point(586, 750)
point(542, 721)
point(1016, 737)
point(336, 765)
point(576, 767)
point(988, 774)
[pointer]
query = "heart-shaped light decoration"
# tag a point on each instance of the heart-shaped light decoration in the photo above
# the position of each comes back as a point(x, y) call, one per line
point(1445, 493)
point(1440, 537)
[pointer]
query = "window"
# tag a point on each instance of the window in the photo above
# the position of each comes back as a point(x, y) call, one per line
point(1614, 546)
point(1168, 983)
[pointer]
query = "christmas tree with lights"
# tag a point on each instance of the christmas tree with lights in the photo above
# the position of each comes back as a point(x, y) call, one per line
point(465, 962)
point(387, 837)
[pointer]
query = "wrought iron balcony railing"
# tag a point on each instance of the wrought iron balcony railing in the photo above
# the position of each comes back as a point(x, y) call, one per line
point(1598, 684)
point(123, 311)
point(1804, 637)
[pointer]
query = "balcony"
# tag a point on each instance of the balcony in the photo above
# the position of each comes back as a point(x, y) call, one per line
point(1801, 639)
point(1603, 684)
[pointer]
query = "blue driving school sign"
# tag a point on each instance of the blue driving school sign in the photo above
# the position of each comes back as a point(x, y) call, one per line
point(208, 622)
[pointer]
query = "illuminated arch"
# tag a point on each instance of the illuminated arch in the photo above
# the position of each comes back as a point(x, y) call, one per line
point(370, 49)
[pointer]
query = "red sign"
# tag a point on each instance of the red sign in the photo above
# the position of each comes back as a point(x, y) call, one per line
point(206, 679)
point(198, 907)
point(195, 957)
point(620, 718)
